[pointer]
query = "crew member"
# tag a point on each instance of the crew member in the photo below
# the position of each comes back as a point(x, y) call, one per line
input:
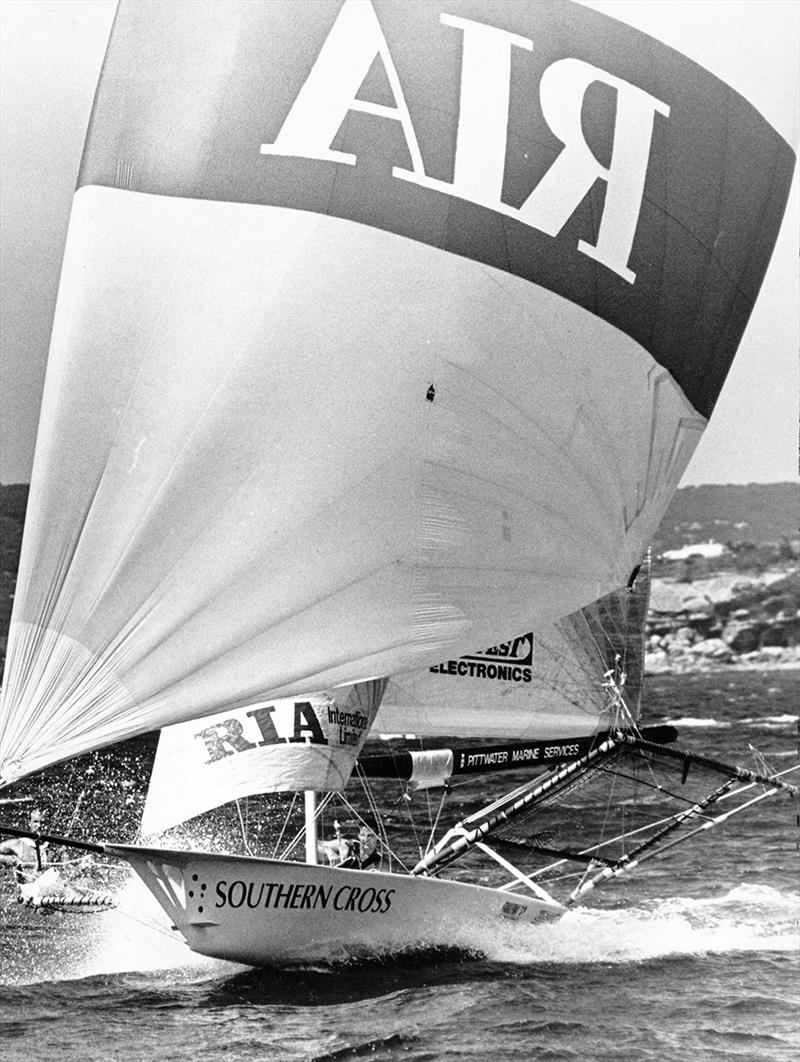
point(24, 853)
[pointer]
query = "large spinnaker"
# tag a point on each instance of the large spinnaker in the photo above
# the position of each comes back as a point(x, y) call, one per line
point(383, 332)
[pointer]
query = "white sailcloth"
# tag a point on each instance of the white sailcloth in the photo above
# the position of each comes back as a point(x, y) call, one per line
point(554, 683)
point(350, 375)
point(277, 746)
point(580, 675)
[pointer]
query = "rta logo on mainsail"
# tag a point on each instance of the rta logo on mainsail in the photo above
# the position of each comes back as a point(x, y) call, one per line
point(269, 724)
point(227, 737)
point(356, 40)
point(508, 662)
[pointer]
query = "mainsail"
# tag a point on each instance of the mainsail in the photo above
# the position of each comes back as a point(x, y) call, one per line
point(575, 677)
point(384, 331)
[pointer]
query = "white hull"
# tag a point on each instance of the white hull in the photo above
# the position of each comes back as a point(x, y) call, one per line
point(265, 912)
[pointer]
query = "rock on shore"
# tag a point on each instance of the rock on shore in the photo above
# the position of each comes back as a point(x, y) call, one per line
point(728, 620)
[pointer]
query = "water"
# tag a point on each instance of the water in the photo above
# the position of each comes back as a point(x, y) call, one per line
point(697, 957)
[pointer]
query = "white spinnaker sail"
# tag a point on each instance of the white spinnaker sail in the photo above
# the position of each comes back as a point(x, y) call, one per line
point(279, 746)
point(331, 392)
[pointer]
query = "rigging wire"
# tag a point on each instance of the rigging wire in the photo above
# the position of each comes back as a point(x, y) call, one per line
point(245, 840)
point(380, 828)
point(284, 827)
point(430, 843)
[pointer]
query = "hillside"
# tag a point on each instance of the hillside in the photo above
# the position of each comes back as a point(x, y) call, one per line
point(754, 514)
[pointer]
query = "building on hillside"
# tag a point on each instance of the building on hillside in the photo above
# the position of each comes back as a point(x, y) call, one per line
point(697, 549)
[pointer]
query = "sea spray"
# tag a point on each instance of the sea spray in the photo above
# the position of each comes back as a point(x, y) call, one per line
point(747, 918)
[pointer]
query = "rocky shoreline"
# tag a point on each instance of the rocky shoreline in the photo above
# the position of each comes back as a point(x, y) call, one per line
point(683, 662)
point(730, 620)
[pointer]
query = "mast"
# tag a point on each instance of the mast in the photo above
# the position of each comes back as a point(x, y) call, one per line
point(310, 804)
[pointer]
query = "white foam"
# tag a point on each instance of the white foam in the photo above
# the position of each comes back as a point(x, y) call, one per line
point(771, 720)
point(136, 937)
point(749, 918)
point(711, 724)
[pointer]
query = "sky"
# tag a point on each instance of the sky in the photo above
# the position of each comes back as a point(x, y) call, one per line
point(50, 57)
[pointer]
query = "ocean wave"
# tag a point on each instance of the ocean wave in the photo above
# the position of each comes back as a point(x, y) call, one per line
point(691, 722)
point(137, 936)
point(746, 919)
point(761, 897)
point(749, 918)
point(133, 937)
point(771, 720)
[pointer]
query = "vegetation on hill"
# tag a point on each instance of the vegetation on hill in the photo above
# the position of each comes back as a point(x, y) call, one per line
point(746, 516)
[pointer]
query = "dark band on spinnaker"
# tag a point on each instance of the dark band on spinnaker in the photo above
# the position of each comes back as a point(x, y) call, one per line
point(716, 181)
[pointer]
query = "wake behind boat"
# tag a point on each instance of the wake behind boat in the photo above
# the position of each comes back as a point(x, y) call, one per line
point(382, 337)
